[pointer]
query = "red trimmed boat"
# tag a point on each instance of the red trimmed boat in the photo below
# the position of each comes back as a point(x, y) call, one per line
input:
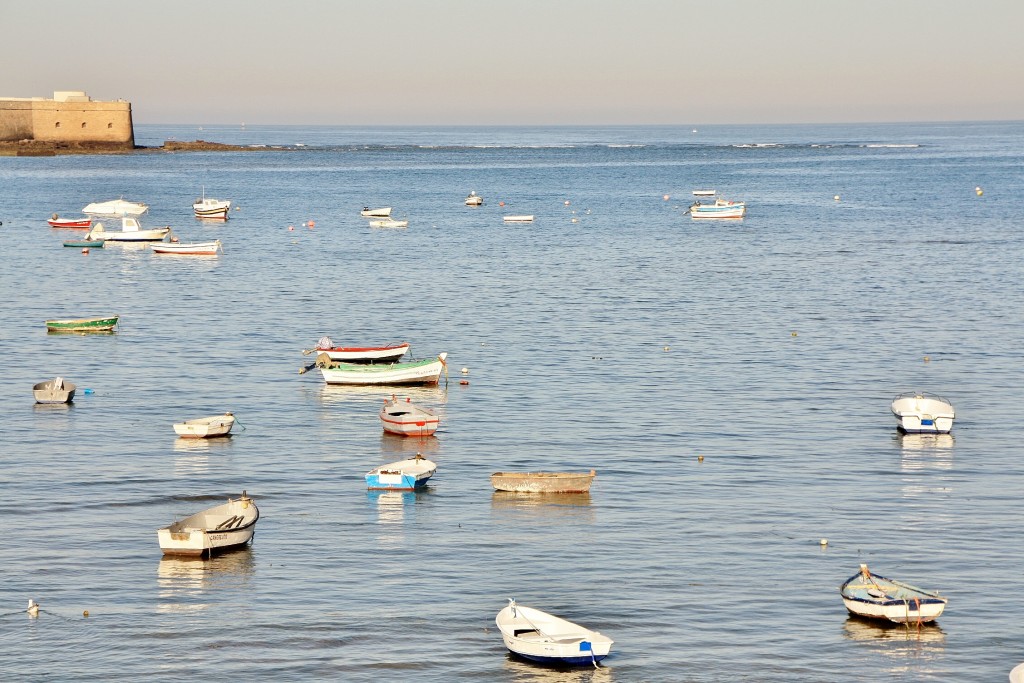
point(73, 223)
point(359, 354)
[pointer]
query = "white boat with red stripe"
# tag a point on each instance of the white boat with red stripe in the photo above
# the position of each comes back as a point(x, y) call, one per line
point(405, 418)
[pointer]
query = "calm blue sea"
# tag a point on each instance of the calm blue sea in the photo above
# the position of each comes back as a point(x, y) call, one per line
point(612, 333)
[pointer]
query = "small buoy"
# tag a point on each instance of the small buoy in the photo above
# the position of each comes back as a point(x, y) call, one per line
point(665, 348)
point(174, 239)
point(567, 202)
point(836, 198)
point(88, 391)
point(978, 191)
point(575, 220)
point(85, 250)
point(290, 228)
point(463, 381)
point(793, 333)
point(823, 542)
point(312, 224)
point(501, 203)
point(33, 608)
point(665, 197)
point(927, 359)
point(85, 613)
point(464, 371)
point(237, 208)
point(700, 458)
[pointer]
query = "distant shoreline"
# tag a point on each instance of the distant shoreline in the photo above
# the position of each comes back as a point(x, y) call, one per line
point(33, 148)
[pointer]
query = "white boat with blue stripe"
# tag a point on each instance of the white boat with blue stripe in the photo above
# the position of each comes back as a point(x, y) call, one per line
point(921, 413)
point(545, 638)
point(720, 209)
point(403, 475)
point(869, 595)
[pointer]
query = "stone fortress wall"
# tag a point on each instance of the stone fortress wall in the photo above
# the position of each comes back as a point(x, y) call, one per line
point(70, 117)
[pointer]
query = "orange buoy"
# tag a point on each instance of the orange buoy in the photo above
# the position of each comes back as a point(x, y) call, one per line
point(665, 197)
point(501, 203)
point(312, 224)
point(463, 381)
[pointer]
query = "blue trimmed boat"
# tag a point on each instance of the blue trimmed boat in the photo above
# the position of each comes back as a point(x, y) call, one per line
point(720, 209)
point(869, 595)
point(541, 637)
point(403, 475)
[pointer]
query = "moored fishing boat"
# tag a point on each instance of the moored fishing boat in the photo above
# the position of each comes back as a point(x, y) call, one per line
point(869, 595)
point(218, 528)
point(704, 193)
point(56, 221)
point(382, 212)
point(131, 231)
point(543, 482)
point(207, 207)
point(57, 390)
point(205, 427)
point(545, 638)
point(116, 208)
point(518, 219)
point(426, 371)
point(359, 354)
point(473, 199)
point(405, 418)
point(193, 249)
point(720, 209)
point(99, 324)
point(389, 223)
point(921, 413)
point(403, 475)
point(92, 244)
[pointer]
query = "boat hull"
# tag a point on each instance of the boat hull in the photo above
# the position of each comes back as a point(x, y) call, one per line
point(154, 235)
point(383, 212)
point(406, 419)
point(205, 428)
point(194, 249)
point(873, 596)
point(44, 392)
point(366, 354)
point(414, 372)
point(547, 639)
point(70, 223)
point(543, 482)
point(220, 528)
point(518, 219)
point(92, 244)
point(404, 475)
point(82, 324)
point(900, 612)
point(923, 414)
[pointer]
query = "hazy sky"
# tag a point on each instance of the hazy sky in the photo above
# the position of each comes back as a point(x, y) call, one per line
point(523, 61)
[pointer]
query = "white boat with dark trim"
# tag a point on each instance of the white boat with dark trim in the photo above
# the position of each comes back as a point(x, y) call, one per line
point(116, 208)
point(704, 193)
point(426, 371)
point(545, 638)
point(131, 231)
point(473, 199)
point(921, 413)
point(518, 219)
point(208, 207)
point(720, 209)
point(389, 223)
point(219, 528)
point(382, 212)
point(869, 595)
point(405, 418)
point(388, 353)
point(190, 249)
point(205, 427)
point(403, 475)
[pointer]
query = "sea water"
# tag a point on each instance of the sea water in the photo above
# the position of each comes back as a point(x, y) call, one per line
point(729, 381)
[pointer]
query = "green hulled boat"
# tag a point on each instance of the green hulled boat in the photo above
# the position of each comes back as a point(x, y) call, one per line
point(97, 244)
point(102, 324)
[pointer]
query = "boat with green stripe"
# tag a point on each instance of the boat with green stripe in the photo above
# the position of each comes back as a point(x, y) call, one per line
point(99, 324)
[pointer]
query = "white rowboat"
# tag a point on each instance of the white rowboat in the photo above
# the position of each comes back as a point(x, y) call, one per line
point(205, 427)
point(543, 482)
point(407, 419)
point(193, 249)
point(542, 637)
point(219, 528)
point(382, 212)
point(876, 597)
point(518, 219)
point(359, 354)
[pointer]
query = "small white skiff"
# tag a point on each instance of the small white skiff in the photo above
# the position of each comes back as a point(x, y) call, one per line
point(920, 413)
point(191, 249)
point(219, 528)
point(205, 427)
point(542, 637)
point(543, 482)
point(869, 595)
point(389, 223)
point(131, 231)
point(403, 475)
point(474, 199)
point(382, 212)
point(518, 219)
point(405, 418)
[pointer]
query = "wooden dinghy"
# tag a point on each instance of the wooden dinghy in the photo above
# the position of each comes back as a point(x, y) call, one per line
point(388, 353)
point(205, 427)
point(219, 528)
point(402, 475)
point(405, 418)
point(543, 482)
point(98, 324)
point(545, 638)
point(57, 390)
point(869, 595)
point(427, 371)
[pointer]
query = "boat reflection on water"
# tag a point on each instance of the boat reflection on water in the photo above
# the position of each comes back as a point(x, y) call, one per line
point(520, 671)
point(429, 396)
point(925, 442)
point(185, 583)
point(407, 446)
point(874, 630)
point(559, 508)
point(193, 455)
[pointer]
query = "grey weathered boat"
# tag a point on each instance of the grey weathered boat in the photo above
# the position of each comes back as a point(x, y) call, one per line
point(543, 482)
point(55, 390)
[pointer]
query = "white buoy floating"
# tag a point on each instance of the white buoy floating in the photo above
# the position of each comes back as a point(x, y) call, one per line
point(465, 371)
point(836, 198)
point(978, 191)
point(823, 542)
